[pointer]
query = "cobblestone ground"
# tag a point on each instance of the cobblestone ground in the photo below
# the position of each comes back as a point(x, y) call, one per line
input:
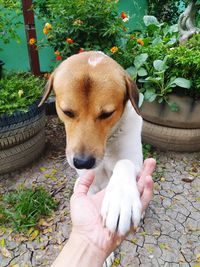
point(169, 234)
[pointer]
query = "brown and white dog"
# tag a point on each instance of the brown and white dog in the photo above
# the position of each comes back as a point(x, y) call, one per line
point(97, 101)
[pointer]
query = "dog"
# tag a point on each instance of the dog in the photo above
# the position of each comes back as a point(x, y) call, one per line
point(98, 104)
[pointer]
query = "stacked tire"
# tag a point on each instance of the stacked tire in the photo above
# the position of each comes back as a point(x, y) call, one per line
point(22, 138)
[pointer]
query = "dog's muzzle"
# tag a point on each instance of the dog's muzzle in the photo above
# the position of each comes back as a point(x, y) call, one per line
point(84, 162)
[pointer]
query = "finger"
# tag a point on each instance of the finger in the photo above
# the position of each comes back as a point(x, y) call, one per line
point(84, 183)
point(147, 193)
point(148, 168)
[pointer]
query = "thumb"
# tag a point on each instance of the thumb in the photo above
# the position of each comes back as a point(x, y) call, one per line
point(84, 183)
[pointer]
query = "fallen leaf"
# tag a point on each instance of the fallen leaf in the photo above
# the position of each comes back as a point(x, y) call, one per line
point(198, 257)
point(188, 179)
point(30, 231)
point(134, 240)
point(33, 235)
point(2, 242)
point(48, 230)
point(164, 246)
point(150, 249)
point(162, 179)
point(42, 169)
point(42, 222)
point(6, 253)
point(2, 231)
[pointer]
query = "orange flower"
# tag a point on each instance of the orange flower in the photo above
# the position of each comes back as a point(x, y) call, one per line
point(81, 50)
point(57, 53)
point(58, 57)
point(32, 41)
point(45, 31)
point(140, 41)
point(124, 15)
point(114, 49)
point(132, 37)
point(69, 41)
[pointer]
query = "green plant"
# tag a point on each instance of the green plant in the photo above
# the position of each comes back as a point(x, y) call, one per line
point(9, 22)
point(160, 65)
point(185, 60)
point(22, 208)
point(75, 26)
point(158, 85)
point(137, 69)
point(18, 91)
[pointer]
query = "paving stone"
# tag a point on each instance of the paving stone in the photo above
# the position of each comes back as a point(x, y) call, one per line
point(169, 235)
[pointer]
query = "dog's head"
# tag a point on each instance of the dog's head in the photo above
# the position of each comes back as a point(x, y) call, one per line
point(91, 92)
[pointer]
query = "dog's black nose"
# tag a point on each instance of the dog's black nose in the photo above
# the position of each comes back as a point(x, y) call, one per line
point(84, 162)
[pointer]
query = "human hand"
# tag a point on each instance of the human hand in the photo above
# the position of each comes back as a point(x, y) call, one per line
point(85, 209)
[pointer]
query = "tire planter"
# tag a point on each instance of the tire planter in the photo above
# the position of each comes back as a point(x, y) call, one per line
point(22, 138)
point(168, 130)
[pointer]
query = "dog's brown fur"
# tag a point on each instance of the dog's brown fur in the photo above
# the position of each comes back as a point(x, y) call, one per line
point(87, 92)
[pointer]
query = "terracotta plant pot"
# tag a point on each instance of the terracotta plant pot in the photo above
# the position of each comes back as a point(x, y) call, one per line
point(168, 130)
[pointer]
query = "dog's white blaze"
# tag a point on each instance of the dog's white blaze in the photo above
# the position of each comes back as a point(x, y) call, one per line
point(93, 61)
point(96, 59)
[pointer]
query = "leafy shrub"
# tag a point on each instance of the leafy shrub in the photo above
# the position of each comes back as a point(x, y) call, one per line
point(18, 91)
point(9, 22)
point(74, 26)
point(161, 66)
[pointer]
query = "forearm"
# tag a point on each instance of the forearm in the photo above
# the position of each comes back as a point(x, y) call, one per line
point(79, 253)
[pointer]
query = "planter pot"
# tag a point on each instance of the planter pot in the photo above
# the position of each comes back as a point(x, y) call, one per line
point(22, 138)
point(168, 130)
point(1, 66)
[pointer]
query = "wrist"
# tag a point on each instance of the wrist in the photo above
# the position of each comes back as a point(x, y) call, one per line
point(87, 251)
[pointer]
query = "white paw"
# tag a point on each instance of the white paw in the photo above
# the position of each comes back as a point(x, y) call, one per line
point(121, 207)
point(109, 261)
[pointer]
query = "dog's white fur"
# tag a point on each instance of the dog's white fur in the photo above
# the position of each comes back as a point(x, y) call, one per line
point(119, 169)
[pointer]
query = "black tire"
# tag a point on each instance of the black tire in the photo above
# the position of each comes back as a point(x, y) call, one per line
point(20, 155)
point(21, 126)
point(20, 116)
point(18, 133)
point(174, 139)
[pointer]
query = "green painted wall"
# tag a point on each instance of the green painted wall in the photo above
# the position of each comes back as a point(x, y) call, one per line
point(15, 55)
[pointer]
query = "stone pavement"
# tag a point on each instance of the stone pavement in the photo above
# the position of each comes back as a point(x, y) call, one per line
point(169, 234)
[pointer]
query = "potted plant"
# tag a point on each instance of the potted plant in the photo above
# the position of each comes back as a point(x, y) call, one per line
point(167, 74)
point(22, 136)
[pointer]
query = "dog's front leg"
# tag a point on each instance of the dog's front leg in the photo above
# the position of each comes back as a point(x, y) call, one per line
point(121, 207)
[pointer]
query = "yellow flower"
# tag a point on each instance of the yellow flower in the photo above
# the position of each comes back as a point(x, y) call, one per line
point(32, 41)
point(20, 93)
point(48, 26)
point(114, 49)
point(140, 41)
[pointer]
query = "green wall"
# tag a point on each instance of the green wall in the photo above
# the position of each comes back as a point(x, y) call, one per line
point(15, 55)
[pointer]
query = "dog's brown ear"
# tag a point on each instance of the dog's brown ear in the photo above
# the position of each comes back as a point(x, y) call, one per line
point(47, 90)
point(132, 92)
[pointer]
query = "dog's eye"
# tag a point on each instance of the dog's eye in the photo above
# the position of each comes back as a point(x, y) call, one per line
point(69, 113)
point(105, 115)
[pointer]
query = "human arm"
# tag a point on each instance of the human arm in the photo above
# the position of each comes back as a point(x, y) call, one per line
point(90, 243)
